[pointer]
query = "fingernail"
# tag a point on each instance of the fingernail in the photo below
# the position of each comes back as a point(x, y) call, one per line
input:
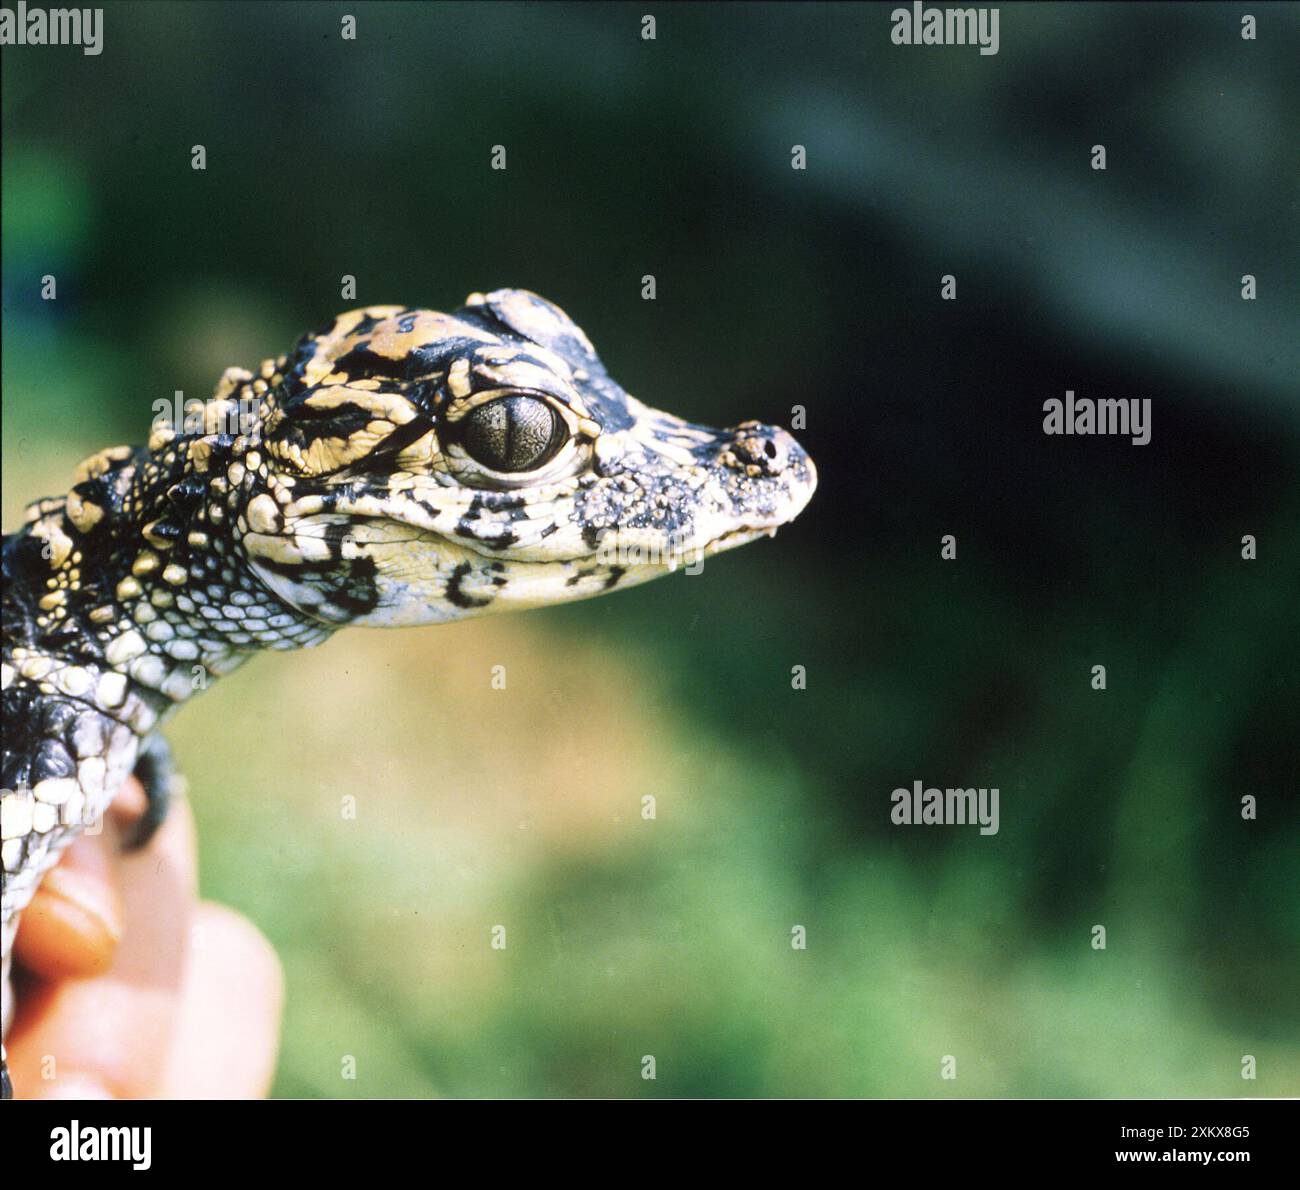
point(78, 925)
point(89, 896)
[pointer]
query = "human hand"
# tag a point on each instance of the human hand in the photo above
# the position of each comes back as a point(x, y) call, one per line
point(129, 987)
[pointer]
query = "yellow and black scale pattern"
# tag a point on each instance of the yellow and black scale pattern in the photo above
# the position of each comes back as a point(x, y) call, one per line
point(399, 466)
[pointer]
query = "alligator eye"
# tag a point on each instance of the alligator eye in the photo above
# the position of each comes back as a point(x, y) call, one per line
point(513, 433)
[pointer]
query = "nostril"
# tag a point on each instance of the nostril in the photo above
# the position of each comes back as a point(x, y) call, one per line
point(758, 450)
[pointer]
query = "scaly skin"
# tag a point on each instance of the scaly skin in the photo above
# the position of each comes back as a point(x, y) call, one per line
point(397, 467)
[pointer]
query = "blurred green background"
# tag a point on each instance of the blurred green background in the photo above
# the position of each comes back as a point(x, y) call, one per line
point(776, 287)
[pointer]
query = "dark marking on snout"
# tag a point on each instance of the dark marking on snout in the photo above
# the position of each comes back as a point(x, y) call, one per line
point(502, 540)
point(458, 597)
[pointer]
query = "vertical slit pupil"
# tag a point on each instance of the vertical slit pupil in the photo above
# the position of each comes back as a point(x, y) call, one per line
point(512, 434)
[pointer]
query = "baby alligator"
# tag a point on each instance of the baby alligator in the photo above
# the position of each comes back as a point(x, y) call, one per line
point(397, 467)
